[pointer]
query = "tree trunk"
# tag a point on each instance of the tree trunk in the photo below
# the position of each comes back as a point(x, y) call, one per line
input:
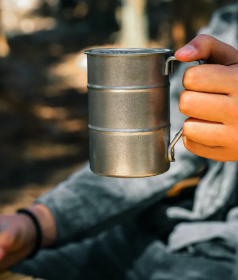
point(134, 24)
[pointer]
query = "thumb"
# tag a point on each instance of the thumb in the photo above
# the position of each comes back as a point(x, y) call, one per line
point(210, 49)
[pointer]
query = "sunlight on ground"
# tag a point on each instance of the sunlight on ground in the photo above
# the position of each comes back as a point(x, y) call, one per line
point(10, 276)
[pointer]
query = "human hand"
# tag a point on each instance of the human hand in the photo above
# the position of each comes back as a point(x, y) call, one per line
point(18, 235)
point(210, 99)
point(17, 239)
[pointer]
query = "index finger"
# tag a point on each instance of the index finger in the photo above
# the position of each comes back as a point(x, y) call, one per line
point(211, 79)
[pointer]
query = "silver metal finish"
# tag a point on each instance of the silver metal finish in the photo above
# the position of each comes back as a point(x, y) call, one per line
point(169, 67)
point(129, 111)
point(129, 125)
point(171, 157)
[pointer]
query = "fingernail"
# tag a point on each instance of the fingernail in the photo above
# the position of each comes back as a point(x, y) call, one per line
point(187, 50)
point(2, 253)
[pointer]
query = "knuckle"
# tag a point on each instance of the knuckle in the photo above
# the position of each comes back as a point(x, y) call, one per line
point(184, 103)
point(189, 77)
point(205, 37)
point(188, 144)
point(205, 40)
point(185, 128)
point(189, 130)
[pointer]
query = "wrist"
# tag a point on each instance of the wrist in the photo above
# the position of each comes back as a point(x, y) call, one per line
point(47, 223)
point(38, 236)
point(28, 230)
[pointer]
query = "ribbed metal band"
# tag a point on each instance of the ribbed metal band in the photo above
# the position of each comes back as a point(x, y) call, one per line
point(128, 130)
point(90, 86)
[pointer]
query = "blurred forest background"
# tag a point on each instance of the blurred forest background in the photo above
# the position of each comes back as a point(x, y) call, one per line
point(43, 94)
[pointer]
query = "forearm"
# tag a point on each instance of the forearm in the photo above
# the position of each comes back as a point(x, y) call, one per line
point(47, 223)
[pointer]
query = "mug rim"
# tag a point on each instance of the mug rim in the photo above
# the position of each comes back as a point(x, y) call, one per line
point(127, 51)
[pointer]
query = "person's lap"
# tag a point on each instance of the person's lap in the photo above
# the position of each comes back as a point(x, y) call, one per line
point(121, 253)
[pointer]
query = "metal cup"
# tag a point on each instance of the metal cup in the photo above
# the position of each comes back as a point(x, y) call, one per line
point(129, 111)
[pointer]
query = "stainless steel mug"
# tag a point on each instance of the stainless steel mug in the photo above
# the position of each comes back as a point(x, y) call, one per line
point(129, 111)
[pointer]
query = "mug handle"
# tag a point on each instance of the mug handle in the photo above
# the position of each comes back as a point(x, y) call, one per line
point(169, 69)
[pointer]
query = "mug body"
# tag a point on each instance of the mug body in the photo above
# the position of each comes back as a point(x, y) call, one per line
point(129, 112)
